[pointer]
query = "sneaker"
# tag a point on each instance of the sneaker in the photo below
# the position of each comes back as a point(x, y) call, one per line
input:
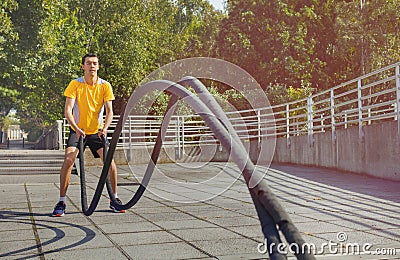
point(113, 205)
point(59, 209)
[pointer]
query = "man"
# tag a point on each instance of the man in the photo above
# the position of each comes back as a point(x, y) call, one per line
point(86, 98)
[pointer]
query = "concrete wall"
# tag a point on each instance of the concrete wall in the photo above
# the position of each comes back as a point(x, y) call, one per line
point(202, 153)
point(376, 154)
point(142, 155)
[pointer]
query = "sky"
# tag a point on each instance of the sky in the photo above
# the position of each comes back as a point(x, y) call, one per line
point(218, 4)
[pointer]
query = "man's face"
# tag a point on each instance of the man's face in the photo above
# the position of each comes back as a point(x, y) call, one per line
point(91, 66)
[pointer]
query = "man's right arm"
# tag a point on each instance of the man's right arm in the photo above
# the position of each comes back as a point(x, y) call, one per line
point(69, 105)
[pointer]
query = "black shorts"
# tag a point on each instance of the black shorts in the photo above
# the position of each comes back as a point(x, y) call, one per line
point(93, 141)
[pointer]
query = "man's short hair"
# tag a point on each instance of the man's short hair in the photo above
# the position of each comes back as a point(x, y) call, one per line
point(88, 55)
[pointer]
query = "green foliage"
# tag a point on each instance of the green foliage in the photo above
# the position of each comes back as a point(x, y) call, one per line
point(279, 93)
point(367, 35)
point(306, 45)
point(145, 36)
point(7, 38)
point(321, 43)
point(6, 121)
point(278, 41)
point(45, 59)
point(32, 128)
point(131, 37)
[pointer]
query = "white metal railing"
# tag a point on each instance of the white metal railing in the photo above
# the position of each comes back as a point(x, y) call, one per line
point(372, 98)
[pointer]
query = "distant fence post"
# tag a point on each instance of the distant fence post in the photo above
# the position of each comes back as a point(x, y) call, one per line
point(60, 134)
point(333, 115)
point(259, 131)
point(360, 115)
point(398, 98)
point(287, 125)
point(183, 134)
point(178, 139)
point(129, 153)
point(310, 120)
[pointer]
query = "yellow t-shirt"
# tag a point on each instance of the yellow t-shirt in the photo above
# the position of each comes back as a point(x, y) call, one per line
point(89, 103)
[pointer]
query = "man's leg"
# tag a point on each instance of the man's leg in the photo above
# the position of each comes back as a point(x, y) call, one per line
point(65, 173)
point(112, 172)
point(113, 180)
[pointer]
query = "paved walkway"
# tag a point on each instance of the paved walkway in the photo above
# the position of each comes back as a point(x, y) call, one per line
point(196, 211)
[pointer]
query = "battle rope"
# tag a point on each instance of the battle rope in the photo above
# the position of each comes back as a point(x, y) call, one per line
point(268, 225)
point(82, 175)
point(268, 217)
point(270, 212)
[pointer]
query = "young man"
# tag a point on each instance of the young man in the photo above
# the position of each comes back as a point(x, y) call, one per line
point(86, 98)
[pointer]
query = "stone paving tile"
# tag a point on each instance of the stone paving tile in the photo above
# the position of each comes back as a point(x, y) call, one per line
point(196, 206)
point(23, 227)
point(320, 202)
point(235, 221)
point(324, 215)
point(18, 249)
point(318, 227)
point(77, 243)
point(115, 228)
point(222, 201)
point(252, 231)
point(228, 246)
point(361, 224)
point(205, 234)
point(184, 224)
point(169, 216)
point(70, 217)
point(247, 211)
point(10, 235)
point(10, 180)
point(178, 250)
point(19, 207)
point(393, 234)
point(104, 217)
point(217, 214)
point(68, 231)
point(296, 209)
point(300, 219)
point(359, 237)
point(90, 253)
point(144, 238)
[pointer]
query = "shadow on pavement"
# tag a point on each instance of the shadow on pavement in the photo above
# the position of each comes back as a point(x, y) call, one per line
point(13, 217)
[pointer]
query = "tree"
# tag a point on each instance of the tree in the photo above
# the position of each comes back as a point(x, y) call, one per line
point(7, 37)
point(368, 33)
point(132, 38)
point(279, 41)
point(45, 59)
point(146, 36)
